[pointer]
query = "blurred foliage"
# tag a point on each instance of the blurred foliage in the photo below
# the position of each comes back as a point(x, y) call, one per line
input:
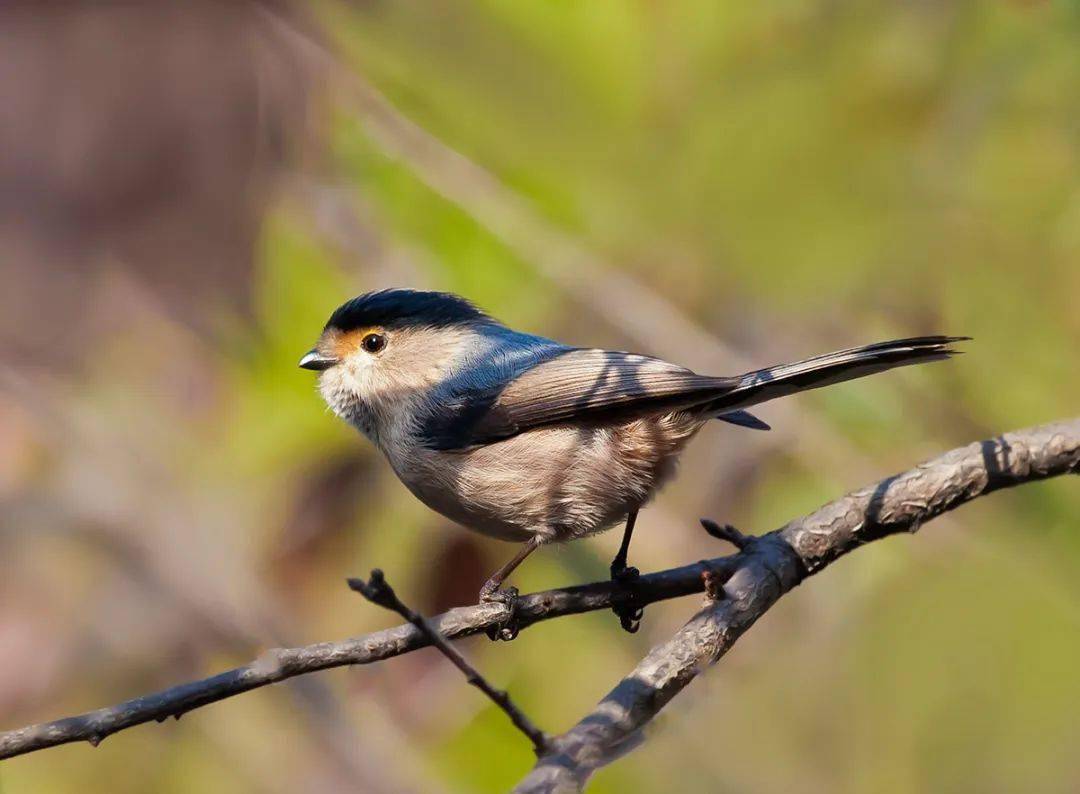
point(795, 176)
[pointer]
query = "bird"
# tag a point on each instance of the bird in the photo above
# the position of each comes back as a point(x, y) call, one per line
point(529, 440)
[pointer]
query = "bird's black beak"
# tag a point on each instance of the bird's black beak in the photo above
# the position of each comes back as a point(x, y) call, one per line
point(314, 360)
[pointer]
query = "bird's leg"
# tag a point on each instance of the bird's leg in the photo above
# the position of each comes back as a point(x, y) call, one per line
point(490, 592)
point(629, 613)
point(620, 571)
point(491, 587)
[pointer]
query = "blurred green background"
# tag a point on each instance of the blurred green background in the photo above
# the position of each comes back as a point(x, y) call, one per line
point(189, 189)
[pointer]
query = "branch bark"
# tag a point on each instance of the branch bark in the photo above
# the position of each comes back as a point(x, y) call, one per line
point(754, 579)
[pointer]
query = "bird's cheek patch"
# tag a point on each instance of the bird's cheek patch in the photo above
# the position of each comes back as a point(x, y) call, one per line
point(345, 344)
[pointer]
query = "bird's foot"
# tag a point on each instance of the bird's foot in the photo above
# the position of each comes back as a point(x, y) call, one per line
point(629, 613)
point(508, 628)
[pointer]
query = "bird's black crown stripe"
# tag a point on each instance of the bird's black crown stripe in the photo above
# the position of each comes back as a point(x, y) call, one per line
point(404, 308)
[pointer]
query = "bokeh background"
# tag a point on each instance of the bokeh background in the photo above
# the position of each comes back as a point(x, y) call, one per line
point(187, 189)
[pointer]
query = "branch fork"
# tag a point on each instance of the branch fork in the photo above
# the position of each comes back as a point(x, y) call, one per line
point(378, 591)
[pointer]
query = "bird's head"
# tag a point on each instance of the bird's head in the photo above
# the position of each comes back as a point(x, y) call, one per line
point(380, 351)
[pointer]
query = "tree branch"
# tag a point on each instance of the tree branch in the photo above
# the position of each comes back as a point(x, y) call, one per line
point(775, 563)
point(280, 664)
point(755, 577)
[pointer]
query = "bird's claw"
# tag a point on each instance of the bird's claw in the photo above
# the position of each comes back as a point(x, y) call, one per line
point(629, 617)
point(507, 629)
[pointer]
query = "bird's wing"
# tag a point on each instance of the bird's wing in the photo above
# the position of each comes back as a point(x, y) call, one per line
point(545, 383)
point(575, 384)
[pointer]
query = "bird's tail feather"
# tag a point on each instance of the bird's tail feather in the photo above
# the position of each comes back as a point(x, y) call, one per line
point(743, 419)
point(767, 384)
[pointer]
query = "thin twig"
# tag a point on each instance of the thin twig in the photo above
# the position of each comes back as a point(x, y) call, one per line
point(727, 532)
point(753, 580)
point(378, 591)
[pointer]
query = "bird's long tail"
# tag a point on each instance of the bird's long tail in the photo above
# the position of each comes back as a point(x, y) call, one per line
point(772, 382)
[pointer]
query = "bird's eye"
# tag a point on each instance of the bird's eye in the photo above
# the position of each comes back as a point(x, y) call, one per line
point(373, 343)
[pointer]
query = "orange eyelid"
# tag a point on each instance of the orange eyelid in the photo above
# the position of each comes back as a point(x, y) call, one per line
point(348, 343)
